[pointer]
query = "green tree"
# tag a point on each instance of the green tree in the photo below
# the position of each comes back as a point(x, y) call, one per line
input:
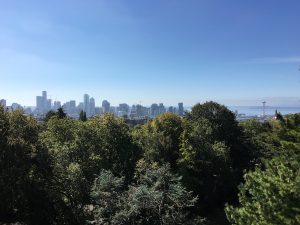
point(224, 128)
point(269, 196)
point(206, 165)
point(22, 165)
point(61, 113)
point(157, 197)
point(82, 116)
point(107, 198)
point(77, 150)
point(49, 114)
point(159, 139)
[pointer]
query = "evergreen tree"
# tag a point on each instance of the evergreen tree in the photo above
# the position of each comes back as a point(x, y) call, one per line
point(82, 116)
point(60, 113)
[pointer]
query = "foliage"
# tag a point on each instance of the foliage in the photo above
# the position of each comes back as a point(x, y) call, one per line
point(157, 197)
point(159, 139)
point(270, 196)
point(214, 152)
point(100, 170)
point(107, 196)
point(48, 115)
point(77, 150)
point(61, 113)
point(22, 163)
point(82, 116)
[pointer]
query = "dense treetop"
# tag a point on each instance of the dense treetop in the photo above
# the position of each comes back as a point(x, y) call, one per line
point(203, 168)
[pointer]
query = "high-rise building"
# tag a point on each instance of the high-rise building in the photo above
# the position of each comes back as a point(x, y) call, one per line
point(72, 108)
point(113, 109)
point(56, 105)
point(92, 107)
point(39, 104)
point(154, 110)
point(98, 110)
point(161, 108)
point(43, 105)
point(80, 106)
point(171, 109)
point(142, 111)
point(105, 106)
point(44, 94)
point(124, 108)
point(139, 110)
point(180, 109)
point(49, 105)
point(45, 101)
point(86, 104)
point(3, 103)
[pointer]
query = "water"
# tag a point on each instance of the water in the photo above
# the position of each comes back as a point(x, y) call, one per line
point(258, 110)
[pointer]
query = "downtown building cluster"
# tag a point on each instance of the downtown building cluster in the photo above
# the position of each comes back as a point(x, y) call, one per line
point(88, 105)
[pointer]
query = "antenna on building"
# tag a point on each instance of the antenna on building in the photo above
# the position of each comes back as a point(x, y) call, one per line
point(264, 108)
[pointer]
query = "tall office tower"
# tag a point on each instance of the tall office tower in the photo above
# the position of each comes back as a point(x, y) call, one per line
point(92, 107)
point(123, 108)
point(154, 110)
point(45, 102)
point(161, 109)
point(86, 104)
point(132, 113)
point(98, 110)
point(113, 110)
point(171, 109)
point(139, 110)
point(39, 104)
point(72, 108)
point(3, 103)
point(44, 94)
point(49, 105)
point(56, 105)
point(105, 106)
point(180, 109)
point(66, 107)
point(80, 106)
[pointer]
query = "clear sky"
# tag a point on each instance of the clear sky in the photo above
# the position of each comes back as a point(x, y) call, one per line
point(139, 51)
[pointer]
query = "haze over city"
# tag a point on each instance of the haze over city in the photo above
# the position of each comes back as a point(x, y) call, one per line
point(233, 52)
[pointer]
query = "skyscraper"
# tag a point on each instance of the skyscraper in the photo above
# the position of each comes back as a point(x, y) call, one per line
point(48, 105)
point(92, 106)
point(3, 103)
point(154, 110)
point(180, 109)
point(72, 107)
point(162, 108)
point(39, 104)
point(86, 104)
point(43, 105)
point(105, 106)
point(56, 105)
point(44, 102)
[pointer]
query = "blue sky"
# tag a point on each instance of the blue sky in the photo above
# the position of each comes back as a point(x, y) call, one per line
point(235, 52)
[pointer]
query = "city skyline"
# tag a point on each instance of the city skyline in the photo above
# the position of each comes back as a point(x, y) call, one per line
point(233, 52)
point(89, 107)
point(271, 101)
